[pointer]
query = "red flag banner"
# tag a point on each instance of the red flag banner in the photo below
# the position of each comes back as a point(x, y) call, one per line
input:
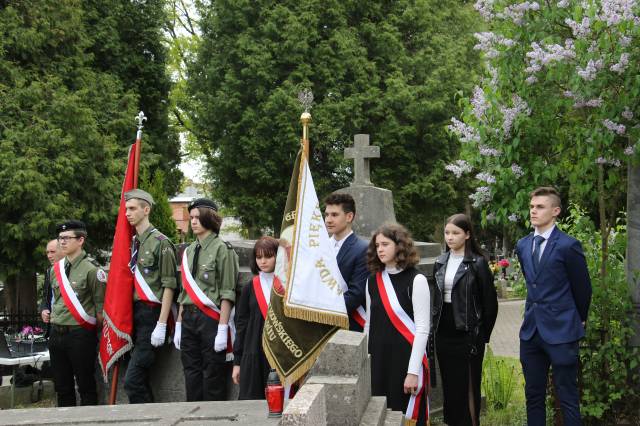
point(117, 328)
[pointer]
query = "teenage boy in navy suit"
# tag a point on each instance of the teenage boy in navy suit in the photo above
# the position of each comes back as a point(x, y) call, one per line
point(351, 254)
point(556, 309)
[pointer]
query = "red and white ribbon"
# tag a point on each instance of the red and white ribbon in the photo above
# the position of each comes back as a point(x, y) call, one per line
point(262, 293)
point(142, 288)
point(206, 305)
point(407, 328)
point(71, 300)
point(359, 316)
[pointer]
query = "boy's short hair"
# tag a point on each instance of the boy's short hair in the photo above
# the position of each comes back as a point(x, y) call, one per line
point(342, 199)
point(548, 191)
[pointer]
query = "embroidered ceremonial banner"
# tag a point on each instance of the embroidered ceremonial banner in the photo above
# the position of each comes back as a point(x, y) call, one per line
point(305, 263)
point(115, 339)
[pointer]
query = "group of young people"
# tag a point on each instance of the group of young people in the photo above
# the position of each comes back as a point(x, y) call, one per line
point(407, 320)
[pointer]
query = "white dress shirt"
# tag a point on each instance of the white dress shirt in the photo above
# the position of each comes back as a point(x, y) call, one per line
point(546, 234)
point(337, 244)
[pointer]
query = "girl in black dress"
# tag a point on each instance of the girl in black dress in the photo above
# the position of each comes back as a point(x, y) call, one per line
point(398, 318)
point(251, 367)
point(465, 310)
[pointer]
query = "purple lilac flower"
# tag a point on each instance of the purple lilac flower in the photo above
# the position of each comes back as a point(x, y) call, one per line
point(621, 65)
point(630, 150)
point(563, 4)
point(627, 113)
point(510, 114)
point(517, 170)
point(531, 79)
point(465, 132)
point(580, 29)
point(484, 8)
point(614, 12)
point(513, 217)
point(614, 127)
point(479, 103)
point(458, 168)
point(491, 217)
point(488, 151)
point(601, 160)
point(481, 196)
point(516, 12)
point(589, 72)
point(486, 177)
point(543, 55)
point(625, 41)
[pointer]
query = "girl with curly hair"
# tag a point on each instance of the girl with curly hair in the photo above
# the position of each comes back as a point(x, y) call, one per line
point(398, 320)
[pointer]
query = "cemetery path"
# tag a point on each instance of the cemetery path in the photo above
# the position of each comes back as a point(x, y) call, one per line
point(504, 339)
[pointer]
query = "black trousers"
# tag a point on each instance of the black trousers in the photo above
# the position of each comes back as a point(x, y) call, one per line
point(136, 380)
point(205, 370)
point(458, 366)
point(73, 352)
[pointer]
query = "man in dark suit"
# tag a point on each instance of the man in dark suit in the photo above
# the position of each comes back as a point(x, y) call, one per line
point(351, 254)
point(556, 309)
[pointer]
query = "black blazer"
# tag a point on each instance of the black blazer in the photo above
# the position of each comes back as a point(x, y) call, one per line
point(352, 262)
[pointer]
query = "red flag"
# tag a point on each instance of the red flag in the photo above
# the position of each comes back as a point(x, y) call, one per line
point(117, 328)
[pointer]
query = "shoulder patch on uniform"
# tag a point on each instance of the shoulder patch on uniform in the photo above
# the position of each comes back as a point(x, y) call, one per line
point(101, 275)
point(161, 237)
point(228, 244)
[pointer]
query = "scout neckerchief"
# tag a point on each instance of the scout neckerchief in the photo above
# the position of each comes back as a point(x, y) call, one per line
point(205, 304)
point(263, 293)
point(71, 300)
point(403, 323)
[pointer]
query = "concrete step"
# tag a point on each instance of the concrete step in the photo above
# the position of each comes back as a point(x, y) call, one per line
point(428, 249)
point(393, 418)
point(375, 412)
point(25, 396)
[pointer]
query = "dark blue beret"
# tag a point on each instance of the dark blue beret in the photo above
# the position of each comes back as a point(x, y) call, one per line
point(203, 202)
point(71, 225)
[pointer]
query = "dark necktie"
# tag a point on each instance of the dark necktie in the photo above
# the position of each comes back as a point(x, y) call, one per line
point(135, 246)
point(67, 268)
point(537, 242)
point(194, 265)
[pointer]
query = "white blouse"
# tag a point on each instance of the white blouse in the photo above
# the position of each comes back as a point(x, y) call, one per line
point(450, 272)
point(421, 301)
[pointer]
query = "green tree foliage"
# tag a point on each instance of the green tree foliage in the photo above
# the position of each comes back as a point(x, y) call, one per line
point(389, 69)
point(127, 41)
point(161, 214)
point(66, 124)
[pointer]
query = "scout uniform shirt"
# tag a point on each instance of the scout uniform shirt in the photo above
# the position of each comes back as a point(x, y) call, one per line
point(88, 283)
point(156, 261)
point(217, 270)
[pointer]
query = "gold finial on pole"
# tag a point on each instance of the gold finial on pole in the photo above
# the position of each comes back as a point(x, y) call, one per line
point(306, 99)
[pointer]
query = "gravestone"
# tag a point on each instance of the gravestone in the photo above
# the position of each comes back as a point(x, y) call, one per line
point(374, 206)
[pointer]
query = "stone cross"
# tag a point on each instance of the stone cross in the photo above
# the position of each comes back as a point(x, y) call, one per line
point(361, 153)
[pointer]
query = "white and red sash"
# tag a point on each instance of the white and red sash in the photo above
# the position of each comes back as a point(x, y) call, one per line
point(359, 316)
point(205, 304)
point(262, 294)
point(142, 288)
point(71, 300)
point(404, 324)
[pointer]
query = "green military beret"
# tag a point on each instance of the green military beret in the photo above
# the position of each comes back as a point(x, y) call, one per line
point(139, 194)
point(71, 225)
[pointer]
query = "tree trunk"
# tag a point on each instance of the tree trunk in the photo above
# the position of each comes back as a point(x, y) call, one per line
point(21, 293)
point(633, 244)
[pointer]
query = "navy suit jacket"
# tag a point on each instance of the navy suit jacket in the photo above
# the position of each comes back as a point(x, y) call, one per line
point(352, 262)
point(559, 293)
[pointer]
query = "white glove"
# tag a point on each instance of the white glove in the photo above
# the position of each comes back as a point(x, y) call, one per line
point(158, 335)
point(220, 343)
point(177, 334)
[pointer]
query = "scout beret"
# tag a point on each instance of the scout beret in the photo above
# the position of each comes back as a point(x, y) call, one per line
point(70, 225)
point(203, 202)
point(139, 194)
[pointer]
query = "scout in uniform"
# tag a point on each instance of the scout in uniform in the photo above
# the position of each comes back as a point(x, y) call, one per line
point(153, 263)
point(203, 332)
point(78, 295)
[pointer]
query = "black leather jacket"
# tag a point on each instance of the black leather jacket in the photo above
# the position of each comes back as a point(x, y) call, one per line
point(474, 297)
